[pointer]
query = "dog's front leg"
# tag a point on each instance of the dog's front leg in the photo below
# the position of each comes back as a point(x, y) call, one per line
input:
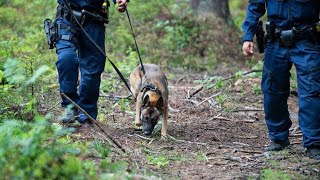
point(164, 128)
point(137, 121)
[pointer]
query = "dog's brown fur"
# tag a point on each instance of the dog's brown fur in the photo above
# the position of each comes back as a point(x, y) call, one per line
point(152, 105)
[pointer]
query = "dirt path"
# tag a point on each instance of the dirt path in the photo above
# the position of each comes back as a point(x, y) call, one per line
point(216, 138)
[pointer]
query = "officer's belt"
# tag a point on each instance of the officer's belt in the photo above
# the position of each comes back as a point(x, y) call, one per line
point(289, 36)
point(91, 16)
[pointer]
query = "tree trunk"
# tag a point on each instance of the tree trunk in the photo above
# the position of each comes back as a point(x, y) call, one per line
point(219, 8)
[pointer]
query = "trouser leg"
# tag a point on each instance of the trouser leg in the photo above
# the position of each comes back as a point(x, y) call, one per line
point(92, 64)
point(67, 66)
point(276, 87)
point(306, 57)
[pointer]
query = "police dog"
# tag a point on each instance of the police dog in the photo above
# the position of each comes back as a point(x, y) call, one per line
point(151, 92)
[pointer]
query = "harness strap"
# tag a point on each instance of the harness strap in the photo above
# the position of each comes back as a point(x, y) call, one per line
point(149, 87)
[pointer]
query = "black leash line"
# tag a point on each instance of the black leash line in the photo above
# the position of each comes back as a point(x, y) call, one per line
point(95, 122)
point(135, 41)
point(98, 47)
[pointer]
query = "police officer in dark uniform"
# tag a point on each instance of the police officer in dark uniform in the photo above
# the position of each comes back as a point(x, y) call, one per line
point(77, 54)
point(292, 38)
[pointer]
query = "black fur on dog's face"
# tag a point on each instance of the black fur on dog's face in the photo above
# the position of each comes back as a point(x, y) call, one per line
point(149, 118)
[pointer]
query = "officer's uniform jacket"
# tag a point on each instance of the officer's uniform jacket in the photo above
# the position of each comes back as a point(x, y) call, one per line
point(284, 13)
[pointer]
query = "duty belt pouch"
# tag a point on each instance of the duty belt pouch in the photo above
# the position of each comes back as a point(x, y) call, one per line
point(287, 37)
point(51, 31)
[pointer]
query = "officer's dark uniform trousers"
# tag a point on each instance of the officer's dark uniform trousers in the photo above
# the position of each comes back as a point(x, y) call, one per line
point(81, 54)
point(304, 54)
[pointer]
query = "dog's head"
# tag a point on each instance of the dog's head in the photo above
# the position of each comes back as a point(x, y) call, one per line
point(150, 111)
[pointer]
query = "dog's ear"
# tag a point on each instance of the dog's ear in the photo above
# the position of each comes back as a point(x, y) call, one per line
point(146, 100)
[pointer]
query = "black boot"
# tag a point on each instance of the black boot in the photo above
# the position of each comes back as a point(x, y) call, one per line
point(313, 152)
point(278, 145)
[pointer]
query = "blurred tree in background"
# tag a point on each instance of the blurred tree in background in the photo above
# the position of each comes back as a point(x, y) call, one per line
point(219, 8)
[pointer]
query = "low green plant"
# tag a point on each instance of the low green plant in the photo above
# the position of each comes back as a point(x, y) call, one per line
point(176, 156)
point(38, 151)
point(160, 161)
point(269, 174)
point(239, 75)
point(200, 156)
point(124, 104)
point(221, 99)
point(256, 89)
point(103, 149)
point(108, 166)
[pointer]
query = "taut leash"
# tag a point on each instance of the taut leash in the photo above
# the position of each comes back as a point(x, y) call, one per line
point(135, 41)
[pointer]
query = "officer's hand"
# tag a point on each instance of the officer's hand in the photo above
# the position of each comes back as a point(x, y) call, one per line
point(247, 48)
point(122, 5)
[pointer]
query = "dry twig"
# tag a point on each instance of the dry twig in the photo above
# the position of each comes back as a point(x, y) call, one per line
point(195, 92)
point(208, 98)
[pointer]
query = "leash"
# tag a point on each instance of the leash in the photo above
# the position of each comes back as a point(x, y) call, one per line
point(95, 122)
point(97, 46)
point(135, 41)
point(148, 86)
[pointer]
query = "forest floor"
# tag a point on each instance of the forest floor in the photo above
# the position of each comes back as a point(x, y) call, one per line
point(216, 138)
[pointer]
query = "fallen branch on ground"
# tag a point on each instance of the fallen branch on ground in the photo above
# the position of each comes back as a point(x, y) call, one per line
point(249, 151)
point(247, 109)
point(243, 74)
point(55, 105)
point(208, 98)
point(231, 158)
point(241, 144)
point(227, 119)
point(195, 92)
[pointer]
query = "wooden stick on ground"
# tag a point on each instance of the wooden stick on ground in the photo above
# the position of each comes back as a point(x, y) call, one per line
point(243, 74)
point(208, 99)
point(248, 109)
point(195, 92)
point(95, 122)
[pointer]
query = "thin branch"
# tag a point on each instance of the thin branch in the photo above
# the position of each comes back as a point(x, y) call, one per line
point(55, 105)
point(247, 109)
point(208, 98)
point(195, 92)
point(227, 119)
point(243, 74)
